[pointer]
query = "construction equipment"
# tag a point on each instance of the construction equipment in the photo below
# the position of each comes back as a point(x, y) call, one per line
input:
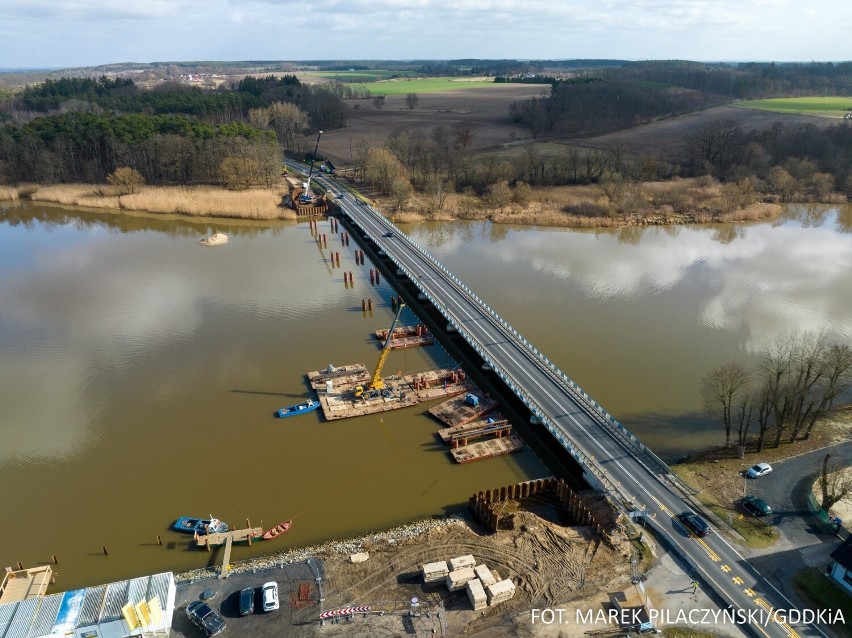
point(377, 384)
point(306, 197)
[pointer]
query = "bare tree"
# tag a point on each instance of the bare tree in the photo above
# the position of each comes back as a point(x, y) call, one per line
point(412, 100)
point(379, 102)
point(835, 485)
point(724, 388)
point(288, 121)
point(401, 190)
point(126, 180)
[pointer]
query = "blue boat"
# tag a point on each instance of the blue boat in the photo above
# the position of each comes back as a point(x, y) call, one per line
point(192, 525)
point(301, 408)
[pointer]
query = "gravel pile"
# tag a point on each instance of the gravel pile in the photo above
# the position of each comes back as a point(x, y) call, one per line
point(330, 548)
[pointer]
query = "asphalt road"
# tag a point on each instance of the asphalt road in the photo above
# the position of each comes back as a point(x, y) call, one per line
point(786, 488)
point(575, 422)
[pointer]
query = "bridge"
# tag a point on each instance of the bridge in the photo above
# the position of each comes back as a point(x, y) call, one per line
point(612, 458)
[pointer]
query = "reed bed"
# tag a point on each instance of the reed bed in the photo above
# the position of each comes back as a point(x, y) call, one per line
point(196, 201)
point(8, 193)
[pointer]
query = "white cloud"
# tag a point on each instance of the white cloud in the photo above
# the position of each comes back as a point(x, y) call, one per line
point(87, 32)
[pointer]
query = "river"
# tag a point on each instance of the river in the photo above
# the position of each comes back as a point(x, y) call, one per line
point(139, 371)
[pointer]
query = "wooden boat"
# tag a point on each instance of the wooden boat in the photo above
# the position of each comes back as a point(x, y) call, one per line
point(192, 525)
point(268, 535)
point(301, 408)
point(216, 239)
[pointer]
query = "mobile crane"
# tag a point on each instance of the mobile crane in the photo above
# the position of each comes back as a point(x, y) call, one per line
point(377, 384)
point(306, 196)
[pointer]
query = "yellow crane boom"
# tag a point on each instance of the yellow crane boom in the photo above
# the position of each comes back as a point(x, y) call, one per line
point(377, 383)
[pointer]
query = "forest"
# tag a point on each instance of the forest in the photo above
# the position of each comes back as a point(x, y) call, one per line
point(83, 129)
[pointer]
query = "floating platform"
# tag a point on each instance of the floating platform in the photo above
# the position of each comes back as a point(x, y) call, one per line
point(407, 337)
point(440, 384)
point(342, 377)
point(457, 411)
point(400, 391)
point(475, 430)
point(24, 584)
point(487, 449)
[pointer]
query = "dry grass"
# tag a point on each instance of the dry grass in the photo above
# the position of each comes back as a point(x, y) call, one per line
point(202, 201)
point(8, 193)
point(680, 201)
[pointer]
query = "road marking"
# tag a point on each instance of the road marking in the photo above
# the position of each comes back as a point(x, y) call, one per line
point(773, 614)
point(737, 580)
point(726, 568)
point(749, 592)
point(713, 555)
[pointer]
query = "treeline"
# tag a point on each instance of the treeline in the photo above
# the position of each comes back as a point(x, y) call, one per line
point(799, 162)
point(324, 108)
point(637, 93)
point(83, 129)
point(165, 149)
point(794, 384)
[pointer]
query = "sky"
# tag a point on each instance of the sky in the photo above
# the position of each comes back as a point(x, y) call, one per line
point(68, 33)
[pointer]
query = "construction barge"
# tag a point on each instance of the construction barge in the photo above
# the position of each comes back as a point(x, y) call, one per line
point(406, 337)
point(471, 440)
point(344, 392)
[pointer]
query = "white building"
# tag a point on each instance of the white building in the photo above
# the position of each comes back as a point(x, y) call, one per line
point(141, 607)
point(841, 567)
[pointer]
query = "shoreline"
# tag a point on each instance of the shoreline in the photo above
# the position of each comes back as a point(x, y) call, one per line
point(335, 547)
point(550, 210)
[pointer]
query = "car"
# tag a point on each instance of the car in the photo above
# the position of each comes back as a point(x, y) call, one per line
point(761, 469)
point(270, 596)
point(246, 601)
point(694, 523)
point(205, 618)
point(388, 234)
point(755, 506)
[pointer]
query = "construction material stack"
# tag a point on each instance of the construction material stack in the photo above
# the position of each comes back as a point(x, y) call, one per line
point(434, 572)
point(476, 594)
point(500, 592)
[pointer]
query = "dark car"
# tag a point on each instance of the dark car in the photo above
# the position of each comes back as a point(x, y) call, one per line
point(246, 601)
point(694, 523)
point(205, 618)
point(756, 506)
point(388, 234)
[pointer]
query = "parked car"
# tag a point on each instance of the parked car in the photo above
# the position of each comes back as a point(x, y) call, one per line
point(755, 506)
point(246, 601)
point(270, 596)
point(694, 523)
point(205, 618)
point(758, 470)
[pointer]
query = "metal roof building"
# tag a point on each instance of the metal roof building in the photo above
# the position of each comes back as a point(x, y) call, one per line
point(140, 607)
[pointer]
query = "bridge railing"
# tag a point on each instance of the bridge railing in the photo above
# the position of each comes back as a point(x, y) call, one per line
point(591, 407)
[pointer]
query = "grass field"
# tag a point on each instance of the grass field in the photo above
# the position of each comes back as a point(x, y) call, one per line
point(423, 86)
point(354, 76)
point(824, 106)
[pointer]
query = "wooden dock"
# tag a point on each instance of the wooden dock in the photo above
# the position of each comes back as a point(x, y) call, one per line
point(457, 411)
point(487, 449)
point(209, 541)
point(24, 584)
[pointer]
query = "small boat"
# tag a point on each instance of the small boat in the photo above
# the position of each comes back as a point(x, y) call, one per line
point(200, 525)
point(216, 239)
point(269, 534)
point(301, 408)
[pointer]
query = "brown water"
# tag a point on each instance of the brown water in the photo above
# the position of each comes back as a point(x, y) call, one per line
point(139, 372)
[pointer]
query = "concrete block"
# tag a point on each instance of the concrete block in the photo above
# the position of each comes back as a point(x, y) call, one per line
point(458, 578)
point(476, 594)
point(484, 575)
point(500, 591)
point(359, 557)
point(433, 572)
point(462, 562)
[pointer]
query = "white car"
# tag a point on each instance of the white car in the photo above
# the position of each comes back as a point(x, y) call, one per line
point(759, 470)
point(270, 596)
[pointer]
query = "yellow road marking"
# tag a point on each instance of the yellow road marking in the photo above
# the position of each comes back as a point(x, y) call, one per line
point(748, 592)
point(726, 568)
point(737, 580)
point(713, 555)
